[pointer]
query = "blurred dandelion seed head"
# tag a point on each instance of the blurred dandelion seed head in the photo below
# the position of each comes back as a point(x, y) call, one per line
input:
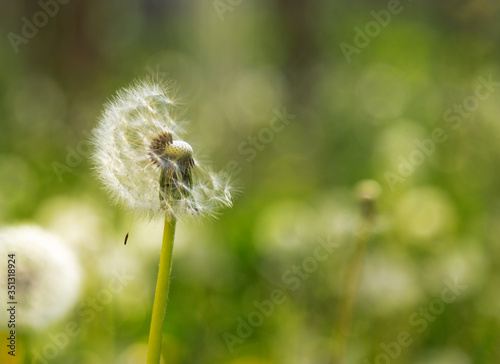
point(48, 275)
point(144, 163)
point(368, 189)
point(367, 192)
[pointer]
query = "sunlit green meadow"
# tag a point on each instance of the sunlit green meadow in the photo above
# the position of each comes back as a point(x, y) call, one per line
point(299, 101)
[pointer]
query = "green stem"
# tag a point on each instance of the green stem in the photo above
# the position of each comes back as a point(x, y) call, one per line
point(352, 280)
point(161, 294)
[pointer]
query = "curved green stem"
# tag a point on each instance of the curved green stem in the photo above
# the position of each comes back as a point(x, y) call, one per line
point(161, 294)
point(352, 282)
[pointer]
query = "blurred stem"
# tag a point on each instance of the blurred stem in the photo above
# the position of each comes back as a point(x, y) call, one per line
point(161, 294)
point(352, 280)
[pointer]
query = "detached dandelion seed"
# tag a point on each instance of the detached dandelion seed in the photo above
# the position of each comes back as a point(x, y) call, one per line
point(146, 166)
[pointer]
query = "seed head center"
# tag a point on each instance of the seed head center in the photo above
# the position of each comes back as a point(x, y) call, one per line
point(163, 147)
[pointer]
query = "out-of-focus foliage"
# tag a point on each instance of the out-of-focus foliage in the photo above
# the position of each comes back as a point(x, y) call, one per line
point(273, 99)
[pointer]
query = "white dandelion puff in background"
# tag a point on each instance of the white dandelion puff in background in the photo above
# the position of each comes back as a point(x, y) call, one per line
point(48, 275)
point(144, 163)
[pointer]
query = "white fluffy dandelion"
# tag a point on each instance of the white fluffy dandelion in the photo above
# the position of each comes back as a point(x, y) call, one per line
point(47, 275)
point(143, 161)
point(146, 166)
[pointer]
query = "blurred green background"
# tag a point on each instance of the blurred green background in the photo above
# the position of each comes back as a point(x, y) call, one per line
point(355, 117)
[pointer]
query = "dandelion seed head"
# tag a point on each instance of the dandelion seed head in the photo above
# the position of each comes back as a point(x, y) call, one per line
point(179, 150)
point(48, 275)
point(145, 164)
